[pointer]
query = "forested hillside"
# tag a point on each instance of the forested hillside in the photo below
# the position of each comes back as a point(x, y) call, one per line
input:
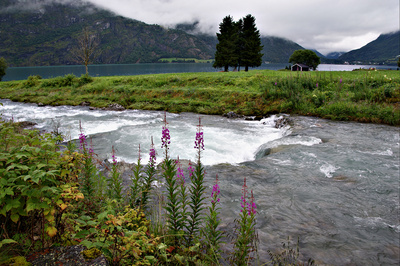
point(45, 36)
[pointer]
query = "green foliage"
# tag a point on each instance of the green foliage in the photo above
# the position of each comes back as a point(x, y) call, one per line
point(306, 57)
point(3, 67)
point(239, 44)
point(226, 54)
point(36, 184)
point(250, 54)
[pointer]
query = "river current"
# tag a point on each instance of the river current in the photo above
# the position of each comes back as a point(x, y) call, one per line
point(335, 185)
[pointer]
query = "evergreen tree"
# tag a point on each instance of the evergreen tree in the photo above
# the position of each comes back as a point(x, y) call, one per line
point(3, 67)
point(251, 55)
point(239, 44)
point(226, 54)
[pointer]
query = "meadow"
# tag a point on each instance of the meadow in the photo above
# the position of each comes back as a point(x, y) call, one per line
point(363, 95)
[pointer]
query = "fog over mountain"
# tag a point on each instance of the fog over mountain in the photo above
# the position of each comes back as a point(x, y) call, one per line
point(323, 25)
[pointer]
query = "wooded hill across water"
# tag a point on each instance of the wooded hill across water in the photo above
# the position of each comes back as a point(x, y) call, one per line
point(47, 35)
point(363, 95)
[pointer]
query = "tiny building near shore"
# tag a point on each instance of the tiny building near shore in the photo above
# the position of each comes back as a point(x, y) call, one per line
point(300, 67)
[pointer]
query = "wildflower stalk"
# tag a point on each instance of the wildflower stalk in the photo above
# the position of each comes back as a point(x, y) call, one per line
point(197, 189)
point(211, 235)
point(149, 177)
point(169, 173)
point(114, 180)
point(246, 234)
point(135, 186)
point(89, 168)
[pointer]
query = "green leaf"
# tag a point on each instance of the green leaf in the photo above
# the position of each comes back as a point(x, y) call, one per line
point(7, 241)
point(14, 217)
point(86, 243)
point(13, 204)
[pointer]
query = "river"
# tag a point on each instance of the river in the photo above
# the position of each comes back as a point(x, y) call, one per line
point(335, 185)
point(21, 73)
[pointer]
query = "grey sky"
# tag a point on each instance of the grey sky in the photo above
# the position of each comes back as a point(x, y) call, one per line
point(325, 25)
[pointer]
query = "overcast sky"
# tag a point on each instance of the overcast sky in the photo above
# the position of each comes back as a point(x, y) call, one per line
point(325, 25)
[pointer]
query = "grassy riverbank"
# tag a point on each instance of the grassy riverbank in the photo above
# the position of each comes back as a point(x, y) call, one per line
point(365, 96)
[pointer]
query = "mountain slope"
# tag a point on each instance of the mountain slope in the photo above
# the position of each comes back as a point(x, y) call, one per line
point(382, 50)
point(278, 50)
point(46, 35)
point(41, 32)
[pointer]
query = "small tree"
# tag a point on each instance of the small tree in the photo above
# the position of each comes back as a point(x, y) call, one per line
point(306, 57)
point(251, 55)
point(86, 50)
point(3, 67)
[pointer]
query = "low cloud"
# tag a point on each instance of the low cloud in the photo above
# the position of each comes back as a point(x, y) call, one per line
point(326, 25)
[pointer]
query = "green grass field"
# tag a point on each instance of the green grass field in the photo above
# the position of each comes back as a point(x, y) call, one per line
point(363, 95)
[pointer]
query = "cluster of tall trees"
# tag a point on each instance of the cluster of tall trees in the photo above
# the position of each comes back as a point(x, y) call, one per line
point(239, 44)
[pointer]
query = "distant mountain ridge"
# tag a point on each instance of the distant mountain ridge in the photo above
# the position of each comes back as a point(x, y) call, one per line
point(46, 34)
point(43, 32)
point(384, 50)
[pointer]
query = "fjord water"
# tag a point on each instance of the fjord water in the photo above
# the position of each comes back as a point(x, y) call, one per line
point(22, 73)
point(335, 185)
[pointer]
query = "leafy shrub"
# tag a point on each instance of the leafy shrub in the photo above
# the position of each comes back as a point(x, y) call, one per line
point(36, 184)
point(32, 80)
point(85, 79)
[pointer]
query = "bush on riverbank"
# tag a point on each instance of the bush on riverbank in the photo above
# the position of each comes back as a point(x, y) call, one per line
point(365, 96)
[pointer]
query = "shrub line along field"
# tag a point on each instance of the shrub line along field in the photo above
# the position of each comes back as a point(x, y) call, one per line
point(363, 95)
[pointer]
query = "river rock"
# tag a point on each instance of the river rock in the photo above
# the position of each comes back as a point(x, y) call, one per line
point(26, 124)
point(282, 122)
point(233, 115)
point(71, 255)
point(84, 103)
point(41, 104)
point(115, 107)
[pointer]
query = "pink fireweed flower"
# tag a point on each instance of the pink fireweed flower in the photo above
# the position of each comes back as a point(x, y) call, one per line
point(113, 156)
point(215, 191)
point(179, 173)
point(152, 154)
point(165, 139)
point(153, 158)
point(340, 81)
point(317, 85)
point(91, 147)
point(199, 142)
point(190, 169)
point(82, 141)
point(251, 206)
